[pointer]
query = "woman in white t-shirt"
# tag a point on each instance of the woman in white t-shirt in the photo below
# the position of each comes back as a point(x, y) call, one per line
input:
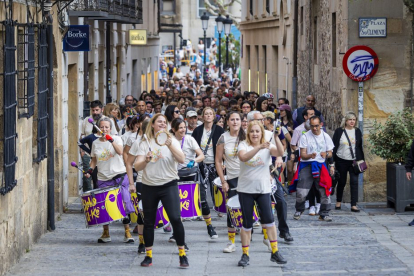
point(227, 149)
point(159, 179)
point(106, 155)
point(130, 153)
point(254, 186)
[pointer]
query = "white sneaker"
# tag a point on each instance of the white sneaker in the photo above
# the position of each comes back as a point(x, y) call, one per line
point(267, 243)
point(317, 207)
point(307, 204)
point(312, 211)
point(256, 224)
point(231, 247)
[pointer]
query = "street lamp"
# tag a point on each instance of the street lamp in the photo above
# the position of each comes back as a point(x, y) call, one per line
point(204, 22)
point(219, 21)
point(227, 28)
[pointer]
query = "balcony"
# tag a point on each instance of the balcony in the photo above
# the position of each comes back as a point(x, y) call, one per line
point(120, 11)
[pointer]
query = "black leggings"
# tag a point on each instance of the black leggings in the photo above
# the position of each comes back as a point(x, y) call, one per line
point(138, 186)
point(344, 167)
point(168, 194)
point(205, 209)
point(247, 204)
point(232, 192)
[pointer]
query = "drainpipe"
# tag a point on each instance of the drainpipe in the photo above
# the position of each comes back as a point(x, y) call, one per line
point(295, 57)
point(50, 136)
point(287, 76)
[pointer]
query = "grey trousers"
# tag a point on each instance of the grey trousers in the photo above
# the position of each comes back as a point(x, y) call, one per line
point(305, 183)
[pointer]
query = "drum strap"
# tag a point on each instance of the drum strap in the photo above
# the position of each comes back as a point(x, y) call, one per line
point(209, 139)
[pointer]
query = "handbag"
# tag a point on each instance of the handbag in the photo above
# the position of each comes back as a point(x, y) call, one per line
point(359, 166)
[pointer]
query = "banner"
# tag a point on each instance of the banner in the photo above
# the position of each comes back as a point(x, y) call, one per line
point(76, 39)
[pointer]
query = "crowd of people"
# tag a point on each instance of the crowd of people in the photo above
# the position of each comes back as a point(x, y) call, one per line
point(256, 146)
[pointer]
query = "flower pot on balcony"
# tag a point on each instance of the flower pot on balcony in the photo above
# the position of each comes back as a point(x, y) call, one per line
point(400, 191)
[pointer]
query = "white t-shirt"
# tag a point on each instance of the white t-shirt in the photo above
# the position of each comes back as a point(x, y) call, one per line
point(343, 150)
point(87, 127)
point(189, 147)
point(133, 141)
point(316, 143)
point(203, 143)
point(163, 167)
point(231, 159)
point(254, 175)
point(126, 136)
point(109, 163)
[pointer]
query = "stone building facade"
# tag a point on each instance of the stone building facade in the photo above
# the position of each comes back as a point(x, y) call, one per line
point(267, 47)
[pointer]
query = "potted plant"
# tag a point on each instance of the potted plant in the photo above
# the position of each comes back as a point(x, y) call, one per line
point(392, 141)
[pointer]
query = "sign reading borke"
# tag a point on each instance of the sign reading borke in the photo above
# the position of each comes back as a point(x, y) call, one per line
point(138, 37)
point(360, 63)
point(76, 39)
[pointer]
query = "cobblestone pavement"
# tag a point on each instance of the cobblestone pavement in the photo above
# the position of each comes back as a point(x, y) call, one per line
point(373, 242)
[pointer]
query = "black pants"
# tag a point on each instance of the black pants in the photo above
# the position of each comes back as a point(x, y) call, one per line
point(168, 194)
point(247, 204)
point(313, 193)
point(232, 192)
point(344, 166)
point(138, 187)
point(205, 209)
point(281, 209)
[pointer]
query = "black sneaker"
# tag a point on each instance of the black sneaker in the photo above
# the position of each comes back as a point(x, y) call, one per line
point(186, 247)
point(277, 258)
point(244, 261)
point(411, 223)
point(286, 236)
point(147, 261)
point(184, 262)
point(325, 218)
point(141, 248)
point(171, 239)
point(212, 232)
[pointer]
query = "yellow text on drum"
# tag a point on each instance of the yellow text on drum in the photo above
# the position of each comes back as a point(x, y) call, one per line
point(186, 203)
point(94, 212)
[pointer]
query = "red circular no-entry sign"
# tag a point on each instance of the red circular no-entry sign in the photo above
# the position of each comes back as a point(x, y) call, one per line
point(360, 63)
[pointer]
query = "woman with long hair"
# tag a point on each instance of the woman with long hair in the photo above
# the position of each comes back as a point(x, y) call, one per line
point(159, 179)
point(254, 186)
point(286, 121)
point(207, 136)
point(262, 104)
point(106, 155)
point(226, 150)
point(171, 113)
point(219, 120)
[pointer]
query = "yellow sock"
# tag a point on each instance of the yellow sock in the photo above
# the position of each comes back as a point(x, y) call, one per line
point(141, 238)
point(273, 244)
point(208, 221)
point(232, 236)
point(246, 250)
point(149, 253)
point(181, 252)
point(265, 234)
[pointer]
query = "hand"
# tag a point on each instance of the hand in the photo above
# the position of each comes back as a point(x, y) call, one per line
point(169, 141)
point(109, 138)
point(332, 171)
point(148, 157)
point(132, 188)
point(408, 174)
point(289, 129)
point(278, 130)
point(279, 162)
point(313, 155)
point(323, 155)
point(265, 145)
point(225, 186)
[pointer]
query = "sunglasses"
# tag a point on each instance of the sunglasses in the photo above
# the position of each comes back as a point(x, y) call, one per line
point(177, 111)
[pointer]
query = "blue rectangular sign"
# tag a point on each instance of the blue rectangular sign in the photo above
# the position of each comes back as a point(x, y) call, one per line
point(76, 39)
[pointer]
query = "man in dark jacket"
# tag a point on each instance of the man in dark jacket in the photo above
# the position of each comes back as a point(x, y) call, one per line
point(409, 167)
point(310, 102)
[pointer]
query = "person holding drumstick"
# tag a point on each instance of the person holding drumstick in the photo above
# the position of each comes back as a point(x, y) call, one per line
point(106, 154)
point(159, 165)
point(207, 136)
point(227, 149)
point(254, 185)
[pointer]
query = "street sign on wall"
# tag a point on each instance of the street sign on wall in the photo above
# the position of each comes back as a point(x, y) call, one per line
point(360, 63)
point(138, 37)
point(76, 39)
point(372, 27)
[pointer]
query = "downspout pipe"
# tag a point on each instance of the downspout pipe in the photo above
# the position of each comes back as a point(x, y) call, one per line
point(295, 57)
point(50, 122)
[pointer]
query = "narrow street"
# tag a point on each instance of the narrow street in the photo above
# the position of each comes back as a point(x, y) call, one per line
point(373, 242)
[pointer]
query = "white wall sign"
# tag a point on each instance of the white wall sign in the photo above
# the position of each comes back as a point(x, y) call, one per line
point(372, 27)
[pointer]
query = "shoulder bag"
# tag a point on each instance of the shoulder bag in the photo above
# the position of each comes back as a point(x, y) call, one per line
point(359, 166)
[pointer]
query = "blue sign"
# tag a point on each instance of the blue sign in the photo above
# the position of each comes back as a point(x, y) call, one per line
point(76, 39)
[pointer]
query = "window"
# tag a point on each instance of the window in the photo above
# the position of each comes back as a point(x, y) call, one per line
point(168, 7)
point(302, 27)
point(207, 42)
point(202, 9)
point(334, 39)
point(251, 7)
point(315, 40)
point(268, 6)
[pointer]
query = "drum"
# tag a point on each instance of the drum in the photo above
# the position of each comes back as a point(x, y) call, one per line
point(161, 137)
point(102, 206)
point(135, 201)
point(220, 197)
point(161, 218)
point(189, 199)
point(235, 213)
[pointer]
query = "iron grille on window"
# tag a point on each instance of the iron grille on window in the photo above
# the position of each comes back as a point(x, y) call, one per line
point(42, 95)
point(10, 104)
point(26, 68)
point(139, 9)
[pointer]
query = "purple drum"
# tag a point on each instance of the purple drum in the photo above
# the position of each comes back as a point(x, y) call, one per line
point(161, 218)
point(134, 216)
point(102, 206)
point(220, 197)
point(189, 199)
point(236, 216)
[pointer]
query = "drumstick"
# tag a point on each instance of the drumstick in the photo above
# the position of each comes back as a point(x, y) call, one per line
point(90, 120)
point(146, 139)
point(73, 164)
